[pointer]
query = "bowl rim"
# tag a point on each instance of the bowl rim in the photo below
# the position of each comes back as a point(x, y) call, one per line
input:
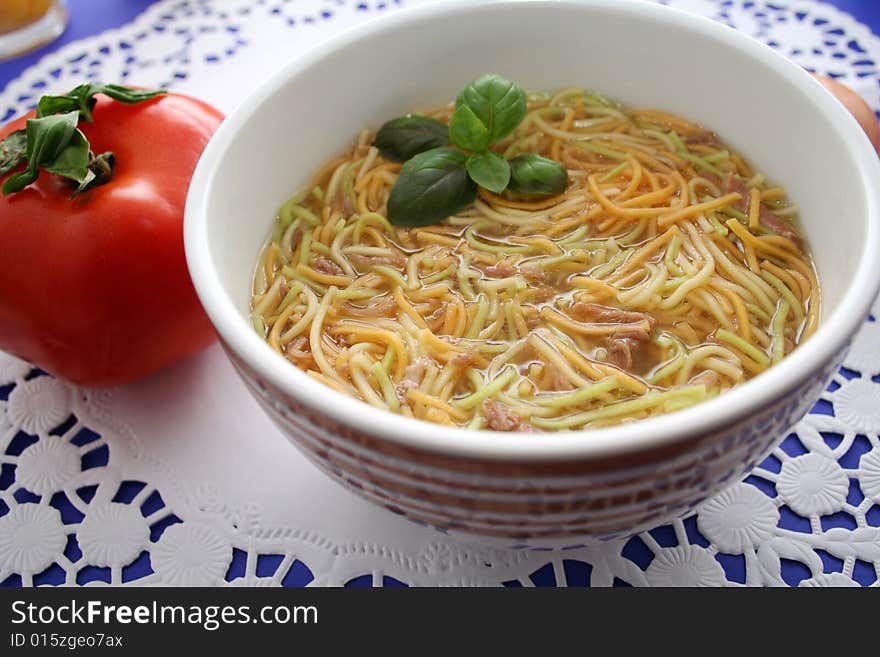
point(661, 431)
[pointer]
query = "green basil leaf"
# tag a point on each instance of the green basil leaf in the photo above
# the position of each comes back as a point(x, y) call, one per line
point(82, 98)
point(47, 137)
point(431, 186)
point(13, 151)
point(497, 102)
point(401, 138)
point(531, 174)
point(488, 169)
point(126, 95)
point(73, 161)
point(467, 131)
point(49, 105)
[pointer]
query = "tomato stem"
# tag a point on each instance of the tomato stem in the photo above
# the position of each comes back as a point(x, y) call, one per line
point(102, 167)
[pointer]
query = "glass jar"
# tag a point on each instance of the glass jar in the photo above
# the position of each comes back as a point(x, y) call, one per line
point(29, 24)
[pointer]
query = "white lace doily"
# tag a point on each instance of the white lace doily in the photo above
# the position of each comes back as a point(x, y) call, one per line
point(97, 486)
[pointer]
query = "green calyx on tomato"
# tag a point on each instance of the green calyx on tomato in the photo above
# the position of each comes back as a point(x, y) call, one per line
point(53, 141)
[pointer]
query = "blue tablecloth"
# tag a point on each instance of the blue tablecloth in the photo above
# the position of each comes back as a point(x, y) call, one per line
point(89, 17)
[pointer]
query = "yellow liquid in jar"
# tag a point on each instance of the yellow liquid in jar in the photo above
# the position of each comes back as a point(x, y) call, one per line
point(15, 14)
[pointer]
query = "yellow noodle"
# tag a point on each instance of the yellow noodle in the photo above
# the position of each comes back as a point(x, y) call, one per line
point(639, 289)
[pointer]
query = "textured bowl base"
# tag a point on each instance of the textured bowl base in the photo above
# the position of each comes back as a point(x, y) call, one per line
point(529, 505)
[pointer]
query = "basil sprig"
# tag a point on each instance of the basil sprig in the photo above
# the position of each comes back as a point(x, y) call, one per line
point(52, 141)
point(82, 98)
point(437, 181)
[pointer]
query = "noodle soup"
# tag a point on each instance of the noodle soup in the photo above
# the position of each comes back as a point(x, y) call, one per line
point(666, 272)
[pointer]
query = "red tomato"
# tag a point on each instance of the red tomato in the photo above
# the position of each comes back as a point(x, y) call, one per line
point(856, 106)
point(96, 289)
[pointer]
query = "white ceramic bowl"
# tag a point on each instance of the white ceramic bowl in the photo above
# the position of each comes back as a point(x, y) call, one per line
point(539, 488)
